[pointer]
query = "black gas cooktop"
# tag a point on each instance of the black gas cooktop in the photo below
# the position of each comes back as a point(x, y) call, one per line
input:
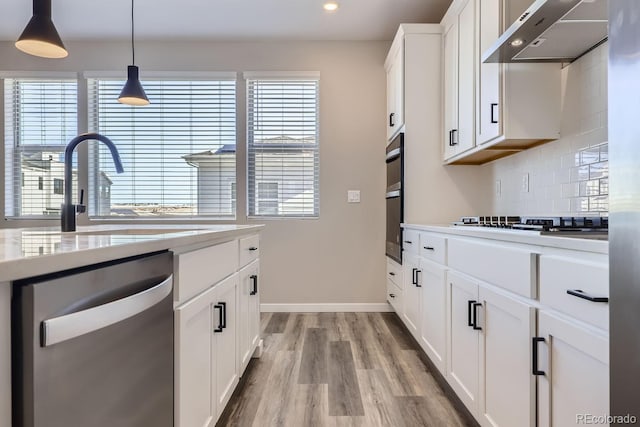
point(547, 225)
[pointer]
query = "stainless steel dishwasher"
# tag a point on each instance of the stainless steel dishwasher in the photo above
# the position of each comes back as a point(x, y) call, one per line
point(94, 346)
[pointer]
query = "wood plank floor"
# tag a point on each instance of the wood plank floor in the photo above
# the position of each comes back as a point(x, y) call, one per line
point(339, 369)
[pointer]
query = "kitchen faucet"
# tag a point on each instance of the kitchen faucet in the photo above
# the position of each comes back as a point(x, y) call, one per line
point(68, 213)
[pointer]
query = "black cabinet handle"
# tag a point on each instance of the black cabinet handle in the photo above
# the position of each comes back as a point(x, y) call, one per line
point(253, 248)
point(475, 316)
point(392, 295)
point(391, 273)
point(534, 356)
point(391, 121)
point(409, 242)
point(418, 285)
point(429, 248)
point(469, 310)
point(493, 119)
point(452, 141)
point(414, 279)
point(254, 278)
point(220, 318)
point(224, 314)
point(582, 294)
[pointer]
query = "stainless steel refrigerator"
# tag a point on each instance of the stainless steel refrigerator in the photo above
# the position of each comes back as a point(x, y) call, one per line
point(624, 206)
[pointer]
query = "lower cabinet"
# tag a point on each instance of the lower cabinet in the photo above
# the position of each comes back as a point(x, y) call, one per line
point(573, 371)
point(489, 348)
point(248, 313)
point(433, 333)
point(206, 363)
point(412, 293)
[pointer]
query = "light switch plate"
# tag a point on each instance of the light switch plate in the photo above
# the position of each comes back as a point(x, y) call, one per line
point(353, 196)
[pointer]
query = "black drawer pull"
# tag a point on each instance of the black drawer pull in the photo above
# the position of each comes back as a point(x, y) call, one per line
point(391, 121)
point(220, 319)
point(418, 285)
point(429, 248)
point(534, 356)
point(493, 119)
point(253, 248)
point(391, 273)
point(392, 295)
point(409, 242)
point(469, 310)
point(475, 316)
point(582, 294)
point(254, 279)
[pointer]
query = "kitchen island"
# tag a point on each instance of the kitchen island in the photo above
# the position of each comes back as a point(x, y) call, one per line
point(205, 258)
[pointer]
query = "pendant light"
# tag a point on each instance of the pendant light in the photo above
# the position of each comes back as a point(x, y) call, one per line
point(132, 93)
point(40, 37)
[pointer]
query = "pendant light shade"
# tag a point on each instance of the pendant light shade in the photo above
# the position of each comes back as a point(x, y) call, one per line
point(132, 93)
point(40, 37)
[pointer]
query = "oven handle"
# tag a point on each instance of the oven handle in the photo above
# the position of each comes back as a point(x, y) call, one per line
point(63, 328)
point(392, 155)
point(392, 194)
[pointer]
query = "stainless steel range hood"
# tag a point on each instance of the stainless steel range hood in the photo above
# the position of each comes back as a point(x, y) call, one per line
point(552, 31)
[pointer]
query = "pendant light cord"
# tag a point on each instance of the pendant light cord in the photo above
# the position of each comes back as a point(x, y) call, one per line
point(133, 47)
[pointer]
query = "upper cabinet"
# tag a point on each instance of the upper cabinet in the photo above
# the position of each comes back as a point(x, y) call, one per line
point(492, 110)
point(395, 88)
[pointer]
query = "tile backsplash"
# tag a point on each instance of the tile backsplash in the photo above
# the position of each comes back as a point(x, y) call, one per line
point(569, 176)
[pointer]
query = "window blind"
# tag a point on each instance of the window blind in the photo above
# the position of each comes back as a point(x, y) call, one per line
point(178, 153)
point(40, 119)
point(283, 147)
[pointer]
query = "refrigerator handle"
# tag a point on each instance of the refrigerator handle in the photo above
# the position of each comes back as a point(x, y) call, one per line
point(63, 328)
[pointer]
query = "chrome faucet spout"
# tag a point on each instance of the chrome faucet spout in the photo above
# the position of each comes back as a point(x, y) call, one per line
point(68, 212)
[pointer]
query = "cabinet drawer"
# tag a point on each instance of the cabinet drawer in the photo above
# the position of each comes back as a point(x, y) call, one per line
point(433, 247)
point(394, 272)
point(249, 249)
point(394, 296)
point(512, 267)
point(411, 241)
point(192, 278)
point(559, 274)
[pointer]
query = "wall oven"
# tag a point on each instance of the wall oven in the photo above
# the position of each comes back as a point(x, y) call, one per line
point(395, 197)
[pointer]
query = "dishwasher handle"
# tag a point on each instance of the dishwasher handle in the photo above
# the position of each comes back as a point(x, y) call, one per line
point(63, 328)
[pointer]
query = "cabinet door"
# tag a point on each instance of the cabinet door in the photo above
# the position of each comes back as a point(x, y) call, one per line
point(575, 361)
point(195, 406)
point(226, 344)
point(248, 313)
point(466, 77)
point(395, 93)
point(434, 309)
point(488, 90)
point(450, 72)
point(412, 293)
point(462, 369)
point(505, 361)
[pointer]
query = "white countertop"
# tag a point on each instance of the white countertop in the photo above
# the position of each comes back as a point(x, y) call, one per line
point(26, 252)
point(517, 236)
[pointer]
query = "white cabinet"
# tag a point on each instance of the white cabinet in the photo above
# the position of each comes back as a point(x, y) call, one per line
point(395, 89)
point(433, 336)
point(412, 294)
point(507, 388)
point(249, 312)
point(488, 89)
point(206, 362)
point(5, 354)
point(489, 349)
point(459, 80)
point(462, 367)
point(574, 365)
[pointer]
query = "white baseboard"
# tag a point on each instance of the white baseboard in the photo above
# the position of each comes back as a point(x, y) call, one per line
point(322, 308)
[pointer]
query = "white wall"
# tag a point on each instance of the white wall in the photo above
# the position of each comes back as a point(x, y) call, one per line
point(339, 257)
point(569, 176)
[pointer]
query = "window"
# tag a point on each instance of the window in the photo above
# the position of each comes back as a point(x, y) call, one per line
point(178, 153)
point(58, 186)
point(40, 118)
point(283, 148)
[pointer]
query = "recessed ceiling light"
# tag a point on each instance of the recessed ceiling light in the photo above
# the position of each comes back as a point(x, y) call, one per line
point(517, 42)
point(330, 6)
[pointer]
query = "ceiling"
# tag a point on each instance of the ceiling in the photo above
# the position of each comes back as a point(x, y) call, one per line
point(225, 19)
